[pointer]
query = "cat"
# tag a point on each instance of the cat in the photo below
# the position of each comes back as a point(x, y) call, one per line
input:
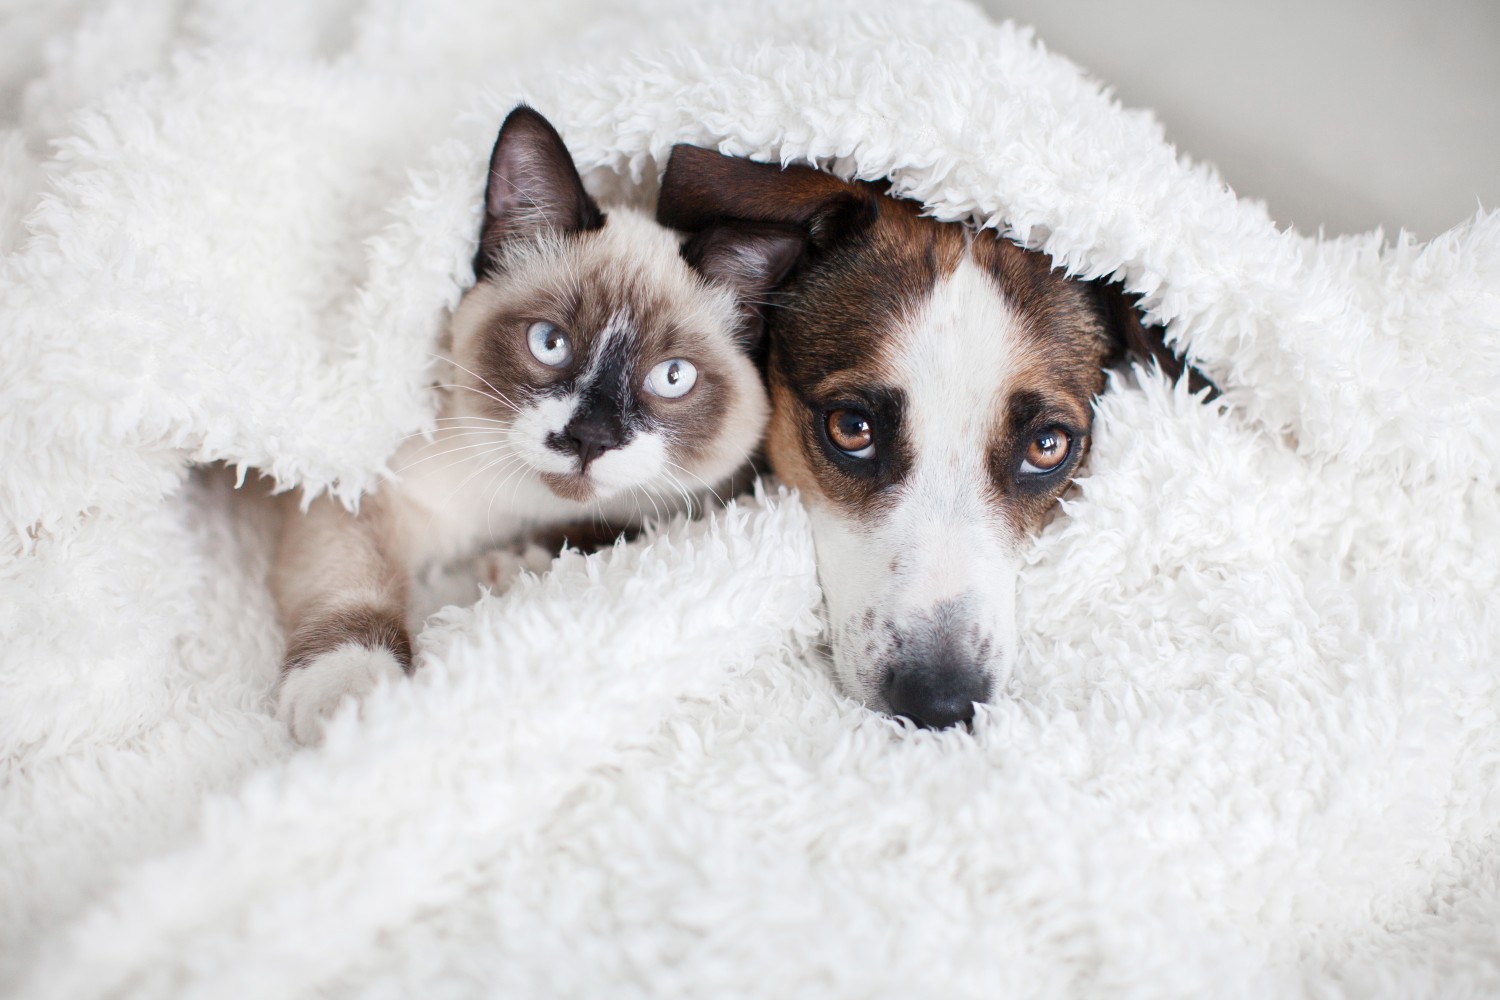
point(601, 371)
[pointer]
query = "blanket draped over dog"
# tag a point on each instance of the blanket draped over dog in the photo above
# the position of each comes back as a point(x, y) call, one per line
point(1251, 746)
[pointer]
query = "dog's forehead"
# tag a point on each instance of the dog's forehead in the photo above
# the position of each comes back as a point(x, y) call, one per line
point(953, 359)
point(856, 310)
point(1000, 332)
point(849, 304)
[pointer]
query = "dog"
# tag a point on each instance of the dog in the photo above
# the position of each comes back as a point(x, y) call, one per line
point(931, 390)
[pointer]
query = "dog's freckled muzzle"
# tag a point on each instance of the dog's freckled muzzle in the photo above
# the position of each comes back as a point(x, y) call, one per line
point(937, 669)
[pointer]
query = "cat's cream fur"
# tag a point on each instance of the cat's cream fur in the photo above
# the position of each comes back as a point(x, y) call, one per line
point(495, 471)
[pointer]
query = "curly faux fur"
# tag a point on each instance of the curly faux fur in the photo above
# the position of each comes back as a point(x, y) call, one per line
point(1251, 745)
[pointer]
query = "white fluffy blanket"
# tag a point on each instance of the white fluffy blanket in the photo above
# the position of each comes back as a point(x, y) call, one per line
point(1251, 747)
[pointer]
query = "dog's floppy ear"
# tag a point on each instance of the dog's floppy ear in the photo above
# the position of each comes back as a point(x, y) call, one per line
point(533, 188)
point(701, 187)
point(1133, 338)
point(750, 258)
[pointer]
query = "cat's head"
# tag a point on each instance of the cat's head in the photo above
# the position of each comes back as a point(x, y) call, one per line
point(603, 358)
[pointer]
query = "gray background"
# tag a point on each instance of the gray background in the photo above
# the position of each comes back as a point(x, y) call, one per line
point(1344, 114)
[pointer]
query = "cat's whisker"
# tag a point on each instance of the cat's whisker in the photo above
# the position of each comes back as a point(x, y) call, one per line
point(487, 395)
point(433, 432)
point(655, 508)
point(460, 439)
point(438, 508)
point(464, 430)
point(687, 495)
point(498, 394)
point(669, 480)
point(510, 468)
point(494, 466)
point(457, 455)
point(453, 431)
point(505, 456)
point(496, 485)
point(712, 492)
point(635, 494)
point(474, 417)
point(446, 451)
point(515, 490)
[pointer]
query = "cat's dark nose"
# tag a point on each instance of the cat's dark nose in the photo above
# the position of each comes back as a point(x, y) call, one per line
point(935, 695)
point(590, 435)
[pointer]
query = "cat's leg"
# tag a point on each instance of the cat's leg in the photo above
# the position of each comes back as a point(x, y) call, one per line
point(498, 568)
point(535, 552)
point(342, 598)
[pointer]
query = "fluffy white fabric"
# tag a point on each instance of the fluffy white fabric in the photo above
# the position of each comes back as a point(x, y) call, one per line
point(1251, 747)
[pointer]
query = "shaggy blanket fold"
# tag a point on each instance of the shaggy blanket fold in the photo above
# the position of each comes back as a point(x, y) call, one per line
point(1251, 745)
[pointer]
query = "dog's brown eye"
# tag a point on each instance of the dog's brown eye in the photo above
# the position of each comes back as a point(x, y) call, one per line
point(549, 345)
point(1047, 451)
point(851, 433)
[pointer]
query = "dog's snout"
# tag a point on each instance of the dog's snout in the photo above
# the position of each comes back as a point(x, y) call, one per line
point(935, 695)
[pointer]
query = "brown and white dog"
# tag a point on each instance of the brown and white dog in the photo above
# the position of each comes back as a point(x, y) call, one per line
point(931, 390)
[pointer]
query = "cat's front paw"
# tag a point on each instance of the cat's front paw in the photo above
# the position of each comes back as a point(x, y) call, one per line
point(500, 567)
point(311, 693)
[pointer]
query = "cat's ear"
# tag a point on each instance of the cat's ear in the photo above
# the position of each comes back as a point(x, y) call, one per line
point(701, 187)
point(533, 188)
point(750, 259)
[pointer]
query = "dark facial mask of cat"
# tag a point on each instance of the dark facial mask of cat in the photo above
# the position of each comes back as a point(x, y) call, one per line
point(601, 373)
point(603, 361)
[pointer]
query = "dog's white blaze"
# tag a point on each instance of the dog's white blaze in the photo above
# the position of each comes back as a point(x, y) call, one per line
point(942, 539)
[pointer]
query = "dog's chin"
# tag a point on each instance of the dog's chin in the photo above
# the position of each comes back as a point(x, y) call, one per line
point(847, 673)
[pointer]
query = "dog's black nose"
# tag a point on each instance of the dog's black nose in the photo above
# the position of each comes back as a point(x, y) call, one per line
point(591, 435)
point(935, 696)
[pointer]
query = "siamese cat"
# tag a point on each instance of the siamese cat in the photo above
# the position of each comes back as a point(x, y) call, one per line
point(600, 372)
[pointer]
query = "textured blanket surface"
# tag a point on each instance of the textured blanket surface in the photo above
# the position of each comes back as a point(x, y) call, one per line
point(1251, 745)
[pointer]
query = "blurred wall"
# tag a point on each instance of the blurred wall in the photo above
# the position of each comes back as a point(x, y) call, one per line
point(1345, 114)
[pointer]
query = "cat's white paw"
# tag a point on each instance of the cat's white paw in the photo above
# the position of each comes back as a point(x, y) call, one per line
point(311, 693)
point(500, 567)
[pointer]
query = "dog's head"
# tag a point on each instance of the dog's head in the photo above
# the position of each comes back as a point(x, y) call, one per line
point(931, 392)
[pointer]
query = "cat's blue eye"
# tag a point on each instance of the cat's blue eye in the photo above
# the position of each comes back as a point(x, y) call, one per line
point(549, 345)
point(672, 378)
